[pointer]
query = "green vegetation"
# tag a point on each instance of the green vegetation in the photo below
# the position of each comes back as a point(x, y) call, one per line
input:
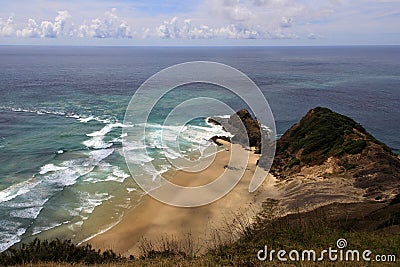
point(354, 146)
point(349, 166)
point(56, 251)
point(293, 162)
point(323, 133)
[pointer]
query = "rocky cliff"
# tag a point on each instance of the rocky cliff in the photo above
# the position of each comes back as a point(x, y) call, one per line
point(334, 145)
point(245, 129)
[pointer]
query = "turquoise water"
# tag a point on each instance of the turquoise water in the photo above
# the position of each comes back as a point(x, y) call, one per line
point(63, 172)
point(61, 112)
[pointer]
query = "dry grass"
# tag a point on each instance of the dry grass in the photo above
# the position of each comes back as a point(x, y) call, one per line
point(301, 231)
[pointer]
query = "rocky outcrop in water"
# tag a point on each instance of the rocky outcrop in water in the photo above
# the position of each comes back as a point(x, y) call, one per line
point(243, 127)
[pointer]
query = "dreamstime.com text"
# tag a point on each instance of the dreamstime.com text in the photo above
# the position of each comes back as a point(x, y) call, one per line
point(331, 254)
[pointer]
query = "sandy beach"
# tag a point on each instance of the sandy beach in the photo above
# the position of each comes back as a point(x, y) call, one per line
point(153, 220)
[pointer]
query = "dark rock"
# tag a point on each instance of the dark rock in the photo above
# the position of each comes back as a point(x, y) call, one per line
point(213, 121)
point(252, 134)
point(225, 138)
point(396, 200)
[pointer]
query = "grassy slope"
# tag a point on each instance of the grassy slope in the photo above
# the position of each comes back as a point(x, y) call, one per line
point(371, 226)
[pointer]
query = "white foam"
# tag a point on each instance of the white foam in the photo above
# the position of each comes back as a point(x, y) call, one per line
point(38, 230)
point(36, 111)
point(96, 156)
point(106, 129)
point(17, 190)
point(114, 173)
point(41, 111)
point(73, 169)
point(27, 213)
point(50, 179)
point(118, 175)
point(95, 200)
point(88, 202)
point(10, 238)
point(222, 116)
point(119, 139)
point(97, 141)
point(167, 136)
point(101, 231)
point(85, 120)
point(138, 158)
point(74, 116)
point(134, 145)
point(130, 189)
point(171, 153)
point(50, 168)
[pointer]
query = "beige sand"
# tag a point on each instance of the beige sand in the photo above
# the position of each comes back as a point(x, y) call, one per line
point(153, 220)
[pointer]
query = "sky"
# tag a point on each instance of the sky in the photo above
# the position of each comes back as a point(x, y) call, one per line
point(200, 22)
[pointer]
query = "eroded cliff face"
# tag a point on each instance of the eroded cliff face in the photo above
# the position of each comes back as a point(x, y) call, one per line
point(325, 144)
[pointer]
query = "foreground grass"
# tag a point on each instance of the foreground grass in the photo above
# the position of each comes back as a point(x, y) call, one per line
point(315, 230)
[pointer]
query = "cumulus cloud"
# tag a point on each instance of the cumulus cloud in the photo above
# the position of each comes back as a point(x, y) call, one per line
point(32, 30)
point(267, 18)
point(49, 29)
point(231, 19)
point(111, 26)
point(235, 19)
point(7, 27)
point(185, 29)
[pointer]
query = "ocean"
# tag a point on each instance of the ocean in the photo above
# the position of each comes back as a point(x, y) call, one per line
point(62, 170)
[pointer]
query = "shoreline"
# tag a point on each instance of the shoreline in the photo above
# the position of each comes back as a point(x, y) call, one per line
point(154, 221)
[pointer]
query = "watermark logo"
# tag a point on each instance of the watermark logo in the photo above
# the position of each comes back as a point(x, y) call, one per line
point(341, 243)
point(331, 254)
point(144, 111)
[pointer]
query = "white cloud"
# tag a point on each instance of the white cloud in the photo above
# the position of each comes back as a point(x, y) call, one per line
point(174, 28)
point(230, 19)
point(111, 26)
point(268, 18)
point(53, 29)
point(286, 22)
point(169, 29)
point(311, 36)
point(46, 29)
point(7, 27)
point(32, 30)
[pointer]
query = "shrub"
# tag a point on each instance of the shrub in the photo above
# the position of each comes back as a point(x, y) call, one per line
point(349, 166)
point(354, 146)
point(293, 162)
point(56, 251)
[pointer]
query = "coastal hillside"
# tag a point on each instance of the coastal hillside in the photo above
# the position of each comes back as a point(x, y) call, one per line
point(334, 180)
point(329, 144)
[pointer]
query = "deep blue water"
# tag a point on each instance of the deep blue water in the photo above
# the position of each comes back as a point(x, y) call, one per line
point(61, 110)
